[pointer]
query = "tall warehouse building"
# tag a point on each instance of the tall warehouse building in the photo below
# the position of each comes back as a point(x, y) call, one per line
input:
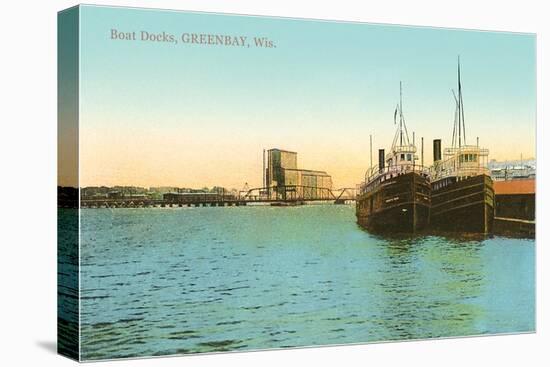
point(285, 181)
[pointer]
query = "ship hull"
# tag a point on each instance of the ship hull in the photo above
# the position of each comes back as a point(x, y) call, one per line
point(400, 204)
point(463, 206)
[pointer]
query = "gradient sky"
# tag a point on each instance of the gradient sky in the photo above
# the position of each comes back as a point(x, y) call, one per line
point(156, 114)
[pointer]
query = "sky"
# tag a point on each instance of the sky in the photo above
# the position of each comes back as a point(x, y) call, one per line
point(165, 114)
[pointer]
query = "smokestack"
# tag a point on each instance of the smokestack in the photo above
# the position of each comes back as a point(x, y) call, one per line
point(437, 150)
point(381, 159)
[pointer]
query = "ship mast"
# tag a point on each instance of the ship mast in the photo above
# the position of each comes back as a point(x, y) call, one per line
point(402, 134)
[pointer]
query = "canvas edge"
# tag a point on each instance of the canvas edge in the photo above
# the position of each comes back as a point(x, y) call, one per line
point(68, 216)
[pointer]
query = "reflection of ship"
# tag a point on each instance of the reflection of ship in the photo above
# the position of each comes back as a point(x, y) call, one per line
point(395, 196)
point(462, 190)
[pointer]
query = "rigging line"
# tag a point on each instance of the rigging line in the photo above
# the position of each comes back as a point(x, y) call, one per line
point(397, 131)
point(459, 92)
point(455, 120)
point(402, 118)
point(461, 104)
point(463, 122)
point(400, 114)
point(406, 132)
point(404, 123)
point(396, 135)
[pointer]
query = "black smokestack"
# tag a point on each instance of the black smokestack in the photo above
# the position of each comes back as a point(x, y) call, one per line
point(381, 159)
point(437, 150)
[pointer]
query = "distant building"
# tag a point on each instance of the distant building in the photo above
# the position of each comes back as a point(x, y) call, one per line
point(513, 170)
point(285, 181)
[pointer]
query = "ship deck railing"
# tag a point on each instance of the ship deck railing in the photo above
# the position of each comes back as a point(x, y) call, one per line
point(375, 175)
point(441, 172)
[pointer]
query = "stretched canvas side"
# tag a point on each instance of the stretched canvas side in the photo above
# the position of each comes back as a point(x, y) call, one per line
point(67, 185)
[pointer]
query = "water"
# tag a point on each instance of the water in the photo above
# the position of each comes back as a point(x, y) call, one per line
point(187, 280)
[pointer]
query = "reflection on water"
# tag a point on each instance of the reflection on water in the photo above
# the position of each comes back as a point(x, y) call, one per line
point(187, 280)
point(67, 282)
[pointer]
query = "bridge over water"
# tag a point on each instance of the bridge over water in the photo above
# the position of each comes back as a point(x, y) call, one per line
point(280, 196)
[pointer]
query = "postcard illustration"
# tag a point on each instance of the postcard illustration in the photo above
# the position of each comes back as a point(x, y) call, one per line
point(238, 183)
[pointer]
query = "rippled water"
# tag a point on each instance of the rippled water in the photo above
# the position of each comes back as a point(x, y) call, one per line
point(186, 280)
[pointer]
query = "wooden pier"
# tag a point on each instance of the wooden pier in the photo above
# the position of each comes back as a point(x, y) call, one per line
point(512, 227)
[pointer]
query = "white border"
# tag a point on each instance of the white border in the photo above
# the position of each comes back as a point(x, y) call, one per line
point(28, 161)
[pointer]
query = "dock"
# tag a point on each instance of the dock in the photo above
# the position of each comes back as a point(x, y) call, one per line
point(512, 227)
point(515, 208)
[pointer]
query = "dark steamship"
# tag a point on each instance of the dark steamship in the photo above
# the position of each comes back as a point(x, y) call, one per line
point(462, 190)
point(395, 196)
